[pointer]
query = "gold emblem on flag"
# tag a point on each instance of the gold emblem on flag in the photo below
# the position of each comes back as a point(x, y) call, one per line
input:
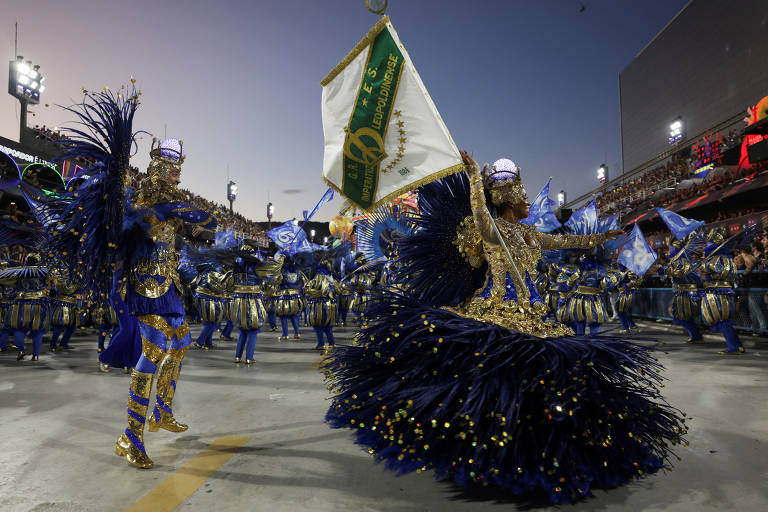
point(364, 146)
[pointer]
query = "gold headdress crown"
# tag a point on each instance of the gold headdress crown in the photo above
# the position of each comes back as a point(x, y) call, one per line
point(503, 182)
point(166, 156)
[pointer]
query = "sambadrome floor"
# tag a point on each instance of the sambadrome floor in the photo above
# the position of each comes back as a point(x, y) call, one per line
point(257, 441)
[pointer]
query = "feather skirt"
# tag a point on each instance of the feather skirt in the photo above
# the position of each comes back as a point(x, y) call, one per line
point(481, 405)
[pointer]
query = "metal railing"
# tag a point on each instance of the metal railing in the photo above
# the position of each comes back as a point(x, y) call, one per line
point(751, 308)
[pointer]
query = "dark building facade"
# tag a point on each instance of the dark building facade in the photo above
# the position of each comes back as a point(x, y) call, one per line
point(705, 67)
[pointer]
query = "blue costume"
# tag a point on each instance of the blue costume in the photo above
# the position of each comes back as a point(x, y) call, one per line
point(29, 311)
point(586, 306)
point(248, 310)
point(210, 299)
point(685, 285)
point(321, 291)
point(7, 294)
point(64, 312)
point(717, 302)
point(289, 300)
point(627, 288)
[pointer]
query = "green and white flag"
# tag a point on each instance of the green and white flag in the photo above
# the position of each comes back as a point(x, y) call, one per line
point(383, 134)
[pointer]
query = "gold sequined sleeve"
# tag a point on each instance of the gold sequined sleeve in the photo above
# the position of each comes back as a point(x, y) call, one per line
point(547, 241)
point(483, 219)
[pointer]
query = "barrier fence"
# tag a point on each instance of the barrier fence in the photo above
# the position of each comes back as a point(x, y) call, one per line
point(751, 307)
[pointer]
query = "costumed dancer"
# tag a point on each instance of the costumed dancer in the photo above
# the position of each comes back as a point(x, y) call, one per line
point(686, 283)
point(551, 293)
point(289, 298)
point(270, 287)
point(627, 288)
point(586, 304)
point(229, 324)
point(104, 318)
point(30, 308)
point(461, 375)
point(320, 292)
point(7, 293)
point(64, 311)
point(209, 297)
point(682, 271)
point(248, 307)
point(567, 277)
point(718, 306)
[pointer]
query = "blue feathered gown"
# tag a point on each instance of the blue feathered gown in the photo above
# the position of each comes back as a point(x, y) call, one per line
point(447, 384)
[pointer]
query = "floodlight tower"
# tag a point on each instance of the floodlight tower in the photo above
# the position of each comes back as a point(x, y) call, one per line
point(25, 83)
point(231, 193)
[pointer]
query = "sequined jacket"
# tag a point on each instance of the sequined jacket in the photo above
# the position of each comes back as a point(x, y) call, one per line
point(680, 272)
point(154, 286)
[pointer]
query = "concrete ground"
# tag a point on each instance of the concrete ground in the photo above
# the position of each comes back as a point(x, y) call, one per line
point(60, 417)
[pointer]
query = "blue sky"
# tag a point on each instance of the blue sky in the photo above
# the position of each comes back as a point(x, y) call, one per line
point(238, 81)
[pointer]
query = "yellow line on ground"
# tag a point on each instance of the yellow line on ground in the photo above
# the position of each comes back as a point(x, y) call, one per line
point(189, 477)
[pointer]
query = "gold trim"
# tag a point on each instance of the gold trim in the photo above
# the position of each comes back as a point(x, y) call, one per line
point(359, 47)
point(718, 284)
point(588, 290)
point(32, 295)
point(239, 288)
point(416, 184)
point(684, 287)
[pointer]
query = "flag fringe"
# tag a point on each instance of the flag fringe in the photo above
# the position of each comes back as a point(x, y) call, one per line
point(408, 188)
point(364, 43)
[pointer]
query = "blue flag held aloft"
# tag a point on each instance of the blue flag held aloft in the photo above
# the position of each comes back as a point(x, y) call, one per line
point(328, 196)
point(225, 239)
point(677, 224)
point(541, 215)
point(636, 255)
point(285, 234)
point(584, 221)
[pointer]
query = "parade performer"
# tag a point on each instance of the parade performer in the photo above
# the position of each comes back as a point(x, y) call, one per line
point(289, 298)
point(270, 287)
point(104, 317)
point(30, 308)
point(248, 308)
point(111, 241)
point(686, 283)
point(6, 299)
point(567, 277)
point(463, 377)
point(64, 316)
point(717, 303)
point(210, 293)
point(627, 288)
point(320, 292)
point(551, 293)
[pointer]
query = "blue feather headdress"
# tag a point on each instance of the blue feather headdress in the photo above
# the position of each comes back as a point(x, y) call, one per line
point(380, 231)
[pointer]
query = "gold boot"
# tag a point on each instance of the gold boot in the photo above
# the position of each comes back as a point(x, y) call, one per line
point(131, 443)
point(167, 377)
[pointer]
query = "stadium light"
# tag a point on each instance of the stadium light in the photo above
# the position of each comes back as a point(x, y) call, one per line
point(325, 240)
point(231, 193)
point(602, 173)
point(561, 198)
point(312, 235)
point(25, 83)
point(676, 130)
point(270, 213)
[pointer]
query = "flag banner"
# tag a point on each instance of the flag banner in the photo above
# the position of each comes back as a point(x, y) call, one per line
point(677, 224)
point(636, 255)
point(285, 234)
point(584, 221)
point(383, 134)
point(541, 215)
point(328, 196)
